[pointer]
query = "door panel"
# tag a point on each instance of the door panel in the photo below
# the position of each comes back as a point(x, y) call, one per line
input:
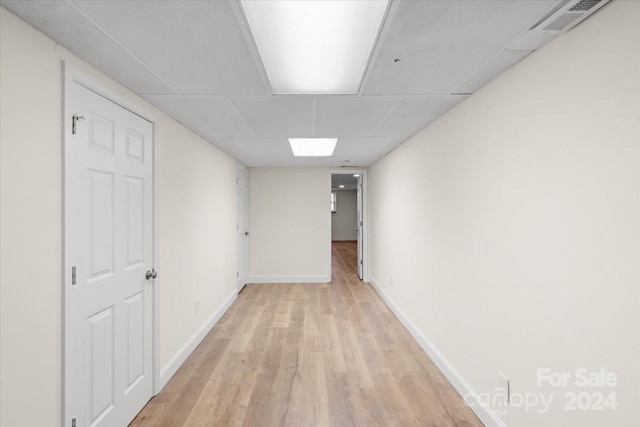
point(360, 221)
point(135, 339)
point(135, 145)
point(242, 180)
point(101, 232)
point(135, 221)
point(102, 355)
point(109, 241)
point(102, 134)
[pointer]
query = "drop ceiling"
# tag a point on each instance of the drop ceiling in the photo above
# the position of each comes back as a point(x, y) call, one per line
point(197, 61)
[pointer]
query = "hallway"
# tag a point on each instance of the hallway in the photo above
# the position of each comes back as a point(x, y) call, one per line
point(309, 354)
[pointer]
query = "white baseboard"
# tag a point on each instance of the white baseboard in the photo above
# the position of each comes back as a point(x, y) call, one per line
point(242, 280)
point(459, 383)
point(181, 355)
point(289, 279)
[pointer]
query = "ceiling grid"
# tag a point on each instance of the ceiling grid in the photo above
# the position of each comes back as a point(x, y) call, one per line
point(198, 62)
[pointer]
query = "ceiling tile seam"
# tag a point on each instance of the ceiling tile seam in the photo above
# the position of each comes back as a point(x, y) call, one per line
point(100, 28)
point(235, 107)
point(243, 24)
point(392, 8)
point(393, 107)
point(477, 70)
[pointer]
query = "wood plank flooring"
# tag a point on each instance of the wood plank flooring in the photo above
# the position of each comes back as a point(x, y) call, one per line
point(309, 355)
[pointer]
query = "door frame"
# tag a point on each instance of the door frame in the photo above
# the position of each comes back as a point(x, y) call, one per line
point(365, 218)
point(72, 75)
point(241, 281)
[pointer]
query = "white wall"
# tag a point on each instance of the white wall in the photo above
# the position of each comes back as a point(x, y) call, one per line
point(197, 206)
point(289, 219)
point(345, 220)
point(197, 235)
point(511, 226)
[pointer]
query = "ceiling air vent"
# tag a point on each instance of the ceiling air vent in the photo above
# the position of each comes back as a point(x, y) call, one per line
point(563, 21)
point(561, 17)
point(584, 5)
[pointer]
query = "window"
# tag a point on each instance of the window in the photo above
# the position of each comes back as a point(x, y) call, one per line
point(334, 202)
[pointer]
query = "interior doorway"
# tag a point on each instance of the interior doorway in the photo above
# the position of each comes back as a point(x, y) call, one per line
point(348, 214)
point(242, 228)
point(109, 257)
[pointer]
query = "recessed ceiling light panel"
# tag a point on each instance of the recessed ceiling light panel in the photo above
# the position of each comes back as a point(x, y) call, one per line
point(313, 147)
point(315, 46)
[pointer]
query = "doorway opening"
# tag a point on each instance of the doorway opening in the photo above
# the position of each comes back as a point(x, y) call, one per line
point(110, 368)
point(348, 220)
point(242, 228)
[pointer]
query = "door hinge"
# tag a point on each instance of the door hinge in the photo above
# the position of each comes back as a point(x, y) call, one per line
point(74, 120)
point(73, 275)
point(360, 262)
point(73, 422)
point(360, 223)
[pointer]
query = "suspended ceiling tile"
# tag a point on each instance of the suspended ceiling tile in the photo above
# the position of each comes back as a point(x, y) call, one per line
point(504, 60)
point(255, 151)
point(362, 151)
point(441, 43)
point(350, 116)
point(197, 46)
point(277, 116)
point(413, 113)
point(267, 152)
point(206, 115)
point(179, 42)
point(66, 26)
point(275, 152)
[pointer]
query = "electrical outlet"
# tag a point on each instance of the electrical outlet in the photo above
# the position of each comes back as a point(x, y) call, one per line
point(197, 306)
point(504, 388)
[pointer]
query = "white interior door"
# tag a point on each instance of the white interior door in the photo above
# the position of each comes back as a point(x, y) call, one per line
point(242, 179)
point(360, 237)
point(108, 251)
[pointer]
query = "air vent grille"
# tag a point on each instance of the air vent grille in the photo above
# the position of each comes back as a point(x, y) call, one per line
point(564, 15)
point(563, 21)
point(584, 5)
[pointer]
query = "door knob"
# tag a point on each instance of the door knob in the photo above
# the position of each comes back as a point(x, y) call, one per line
point(151, 274)
point(246, 233)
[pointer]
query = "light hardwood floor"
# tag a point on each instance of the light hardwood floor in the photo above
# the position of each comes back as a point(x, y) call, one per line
point(309, 355)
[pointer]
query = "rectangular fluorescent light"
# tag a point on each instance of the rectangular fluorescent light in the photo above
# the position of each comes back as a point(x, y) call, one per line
point(313, 147)
point(315, 46)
